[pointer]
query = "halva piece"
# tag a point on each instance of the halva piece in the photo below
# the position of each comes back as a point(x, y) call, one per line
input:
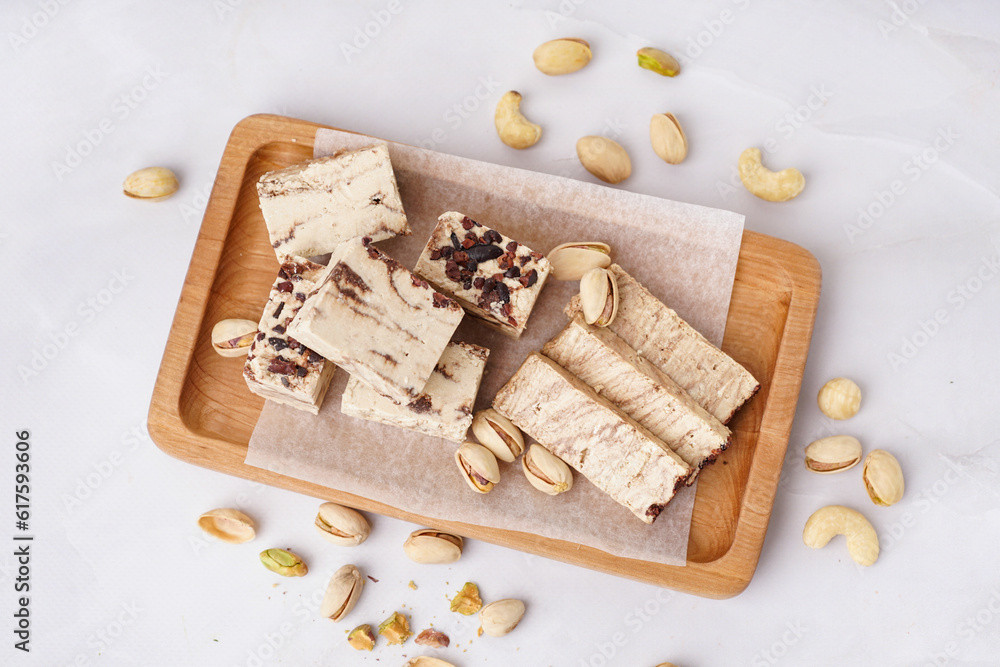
point(313, 207)
point(617, 372)
point(378, 321)
point(444, 407)
point(279, 367)
point(588, 432)
point(713, 379)
point(493, 276)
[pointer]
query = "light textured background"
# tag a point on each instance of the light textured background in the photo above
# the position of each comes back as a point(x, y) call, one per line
point(858, 95)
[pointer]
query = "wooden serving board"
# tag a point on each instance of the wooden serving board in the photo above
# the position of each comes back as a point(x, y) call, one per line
point(201, 411)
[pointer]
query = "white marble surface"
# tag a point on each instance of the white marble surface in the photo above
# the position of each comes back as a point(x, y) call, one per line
point(858, 95)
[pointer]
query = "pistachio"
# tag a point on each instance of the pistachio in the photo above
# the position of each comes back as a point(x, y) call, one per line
point(666, 664)
point(432, 546)
point(604, 158)
point(433, 638)
point(478, 466)
point(668, 139)
point(546, 471)
point(500, 617)
point(342, 525)
point(232, 338)
point(883, 478)
point(570, 261)
point(395, 629)
point(342, 593)
point(426, 661)
point(283, 562)
point(228, 525)
point(599, 297)
point(513, 128)
point(362, 638)
point(562, 56)
point(467, 601)
point(658, 61)
point(498, 434)
point(150, 183)
point(835, 453)
point(839, 398)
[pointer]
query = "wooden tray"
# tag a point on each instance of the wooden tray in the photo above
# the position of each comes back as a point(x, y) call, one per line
point(201, 412)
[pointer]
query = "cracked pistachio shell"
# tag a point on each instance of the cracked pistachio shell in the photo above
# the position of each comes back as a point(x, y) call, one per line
point(426, 661)
point(570, 261)
point(467, 601)
point(658, 61)
point(342, 525)
point(233, 337)
point(433, 546)
point(835, 453)
point(478, 466)
point(342, 593)
point(546, 472)
point(150, 183)
point(562, 56)
point(283, 562)
point(228, 525)
point(883, 478)
point(498, 434)
point(667, 138)
point(599, 297)
point(500, 617)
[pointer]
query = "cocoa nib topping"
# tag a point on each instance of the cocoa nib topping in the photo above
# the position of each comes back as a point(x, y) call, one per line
point(435, 254)
point(281, 367)
point(467, 285)
point(477, 283)
point(530, 278)
point(421, 405)
point(278, 329)
point(260, 336)
point(468, 243)
point(447, 251)
point(282, 274)
point(278, 344)
point(460, 257)
point(469, 223)
point(494, 291)
point(301, 372)
point(285, 286)
point(484, 253)
point(377, 198)
point(512, 272)
point(492, 236)
point(285, 382)
point(300, 296)
point(277, 311)
point(654, 511)
point(452, 271)
point(441, 301)
point(314, 357)
point(455, 242)
point(512, 246)
point(417, 282)
point(525, 259)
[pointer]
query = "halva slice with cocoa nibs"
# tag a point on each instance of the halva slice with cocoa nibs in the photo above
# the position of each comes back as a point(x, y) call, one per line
point(444, 407)
point(588, 432)
point(617, 372)
point(714, 380)
point(279, 367)
point(493, 276)
point(378, 321)
point(313, 207)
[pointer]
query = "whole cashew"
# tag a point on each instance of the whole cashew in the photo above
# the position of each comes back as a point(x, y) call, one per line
point(862, 541)
point(766, 184)
point(514, 129)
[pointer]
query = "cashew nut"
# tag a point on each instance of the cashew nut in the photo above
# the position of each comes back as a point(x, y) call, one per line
point(766, 184)
point(514, 129)
point(862, 541)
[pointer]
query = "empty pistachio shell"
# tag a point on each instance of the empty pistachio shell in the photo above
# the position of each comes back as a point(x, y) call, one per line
point(599, 297)
point(426, 661)
point(150, 183)
point(498, 434)
point(604, 158)
point(668, 138)
point(228, 525)
point(883, 478)
point(396, 628)
point(840, 398)
point(478, 466)
point(467, 601)
point(546, 471)
point(362, 638)
point(571, 260)
point(658, 61)
point(562, 56)
point(233, 338)
point(433, 546)
point(283, 562)
point(342, 593)
point(342, 525)
point(500, 617)
point(835, 453)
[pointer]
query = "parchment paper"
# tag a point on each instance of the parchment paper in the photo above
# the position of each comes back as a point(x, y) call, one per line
point(685, 254)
